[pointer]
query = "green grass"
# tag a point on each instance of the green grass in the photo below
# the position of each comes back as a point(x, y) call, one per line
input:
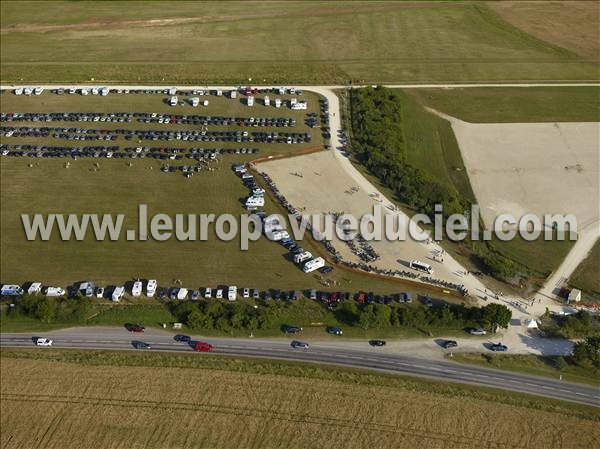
point(274, 42)
point(587, 276)
point(514, 104)
point(532, 364)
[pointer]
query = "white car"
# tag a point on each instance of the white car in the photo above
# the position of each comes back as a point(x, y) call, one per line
point(477, 331)
point(246, 293)
point(207, 293)
point(43, 342)
point(136, 290)
point(219, 294)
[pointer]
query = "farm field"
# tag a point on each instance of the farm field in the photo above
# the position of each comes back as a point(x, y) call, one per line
point(233, 43)
point(157, 400)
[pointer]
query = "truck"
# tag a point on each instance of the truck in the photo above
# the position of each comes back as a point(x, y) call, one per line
point(313, 265)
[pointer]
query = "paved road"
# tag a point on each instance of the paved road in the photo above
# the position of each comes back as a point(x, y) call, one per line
point(351, 354)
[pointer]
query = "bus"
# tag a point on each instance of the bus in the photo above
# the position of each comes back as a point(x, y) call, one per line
point(421, 266)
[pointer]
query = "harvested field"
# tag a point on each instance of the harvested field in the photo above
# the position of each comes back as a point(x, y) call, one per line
point(83, 404)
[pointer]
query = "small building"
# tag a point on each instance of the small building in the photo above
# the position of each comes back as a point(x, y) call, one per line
point(574, 296)
point(267, 101)
point(250, 101)
point(173, 100)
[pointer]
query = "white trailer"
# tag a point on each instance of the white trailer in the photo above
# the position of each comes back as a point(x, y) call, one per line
point(84, 91)
point(250, 101)
point(18, 91)
point(267, 101)
point(302, 257)
point(182, 293)
point(277, 102)
point(172, 91)
point(421, 266)
point(27, 91)
point(232, 293)
point(55, 291)
point(95, 91)
point(136, 290)
point(118, 293)
point(313, 265)
point(151, 288)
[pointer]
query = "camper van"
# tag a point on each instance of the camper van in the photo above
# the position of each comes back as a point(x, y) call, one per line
point(232, 293)
point(118, 293)
point(302, 257)
point(421, 266)
point(136, 290)
point(173, 101)
point(255, 201)
point(151, 288)
point(11, 290)
point(55, 291)
point(34, 288)
point(313, 265)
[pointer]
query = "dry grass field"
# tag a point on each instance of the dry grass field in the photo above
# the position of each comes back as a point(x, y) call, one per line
point(169, 401)
point(574, 25)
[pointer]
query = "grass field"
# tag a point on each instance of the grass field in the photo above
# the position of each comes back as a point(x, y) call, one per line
point(532, 364)
point(587, 276)
point(162, 400)
point(514, 105)
point(316, 42)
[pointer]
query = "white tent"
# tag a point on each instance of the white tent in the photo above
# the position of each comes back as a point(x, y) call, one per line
point(531, 324)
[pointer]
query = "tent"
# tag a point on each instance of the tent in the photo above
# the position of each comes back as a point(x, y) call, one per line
point(531, 324)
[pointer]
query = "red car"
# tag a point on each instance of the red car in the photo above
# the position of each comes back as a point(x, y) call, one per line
point(203, 346)
point(135, 328)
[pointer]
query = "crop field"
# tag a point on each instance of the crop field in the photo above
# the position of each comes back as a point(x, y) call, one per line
point(277, 42)
point(156, 400)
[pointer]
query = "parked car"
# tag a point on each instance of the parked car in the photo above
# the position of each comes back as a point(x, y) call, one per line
point(219, 294)
point(450, 344)
point(195, 295)
point(377, 343)
point(41, 341)
point(256, 293)
point(499, 347)
point(292, 329)
point(207, 293)
point(477, 331)
point(334, 330)
point(202, 346)
point(135, 327)
point(300, 345)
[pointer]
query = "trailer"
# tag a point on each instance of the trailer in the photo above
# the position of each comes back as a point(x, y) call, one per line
point(277, 102)
point(232, 293)
point(233, 94)
point(313, 265)
point(118, 293)
point(38, 90)
point(250, 101)
point(182, 293)
point(104, 91)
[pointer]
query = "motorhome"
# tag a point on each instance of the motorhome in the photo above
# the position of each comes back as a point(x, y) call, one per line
point(232, 293)
point(313, 265)
point(172, 91)
point(136, 290)
point(95, 91)
point(421, 266)
point(34, 288)
point(84, 91)
point(118, 293)
point(302, 257)
point(151, 288)
point(11, 290)
point(55, 291)
point(233, 94)
point(255, 201)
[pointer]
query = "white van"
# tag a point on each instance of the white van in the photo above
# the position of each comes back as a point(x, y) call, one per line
point(136, 290)
point(11, 290)
point(182, 293)
point(41, 341)
point(151, 288)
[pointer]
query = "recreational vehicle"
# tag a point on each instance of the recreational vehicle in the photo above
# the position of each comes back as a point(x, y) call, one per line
point(255, 201)
point(194, 101)
point(277, 102)
point(18, 91)
point(250, 101)
point(300, 105)
point(232, 293)
point(104, 91)
point(421, 266)
point(118, 293)
point(302, 257)
point(182, 293)
point(38, 90)
point(151, 288)
point(136, 290)
point(313, 265)
point(34, 288)
point(233, 94)
point(173, 101)
point(55, 291)
point(11, 290)
point(267, 101)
